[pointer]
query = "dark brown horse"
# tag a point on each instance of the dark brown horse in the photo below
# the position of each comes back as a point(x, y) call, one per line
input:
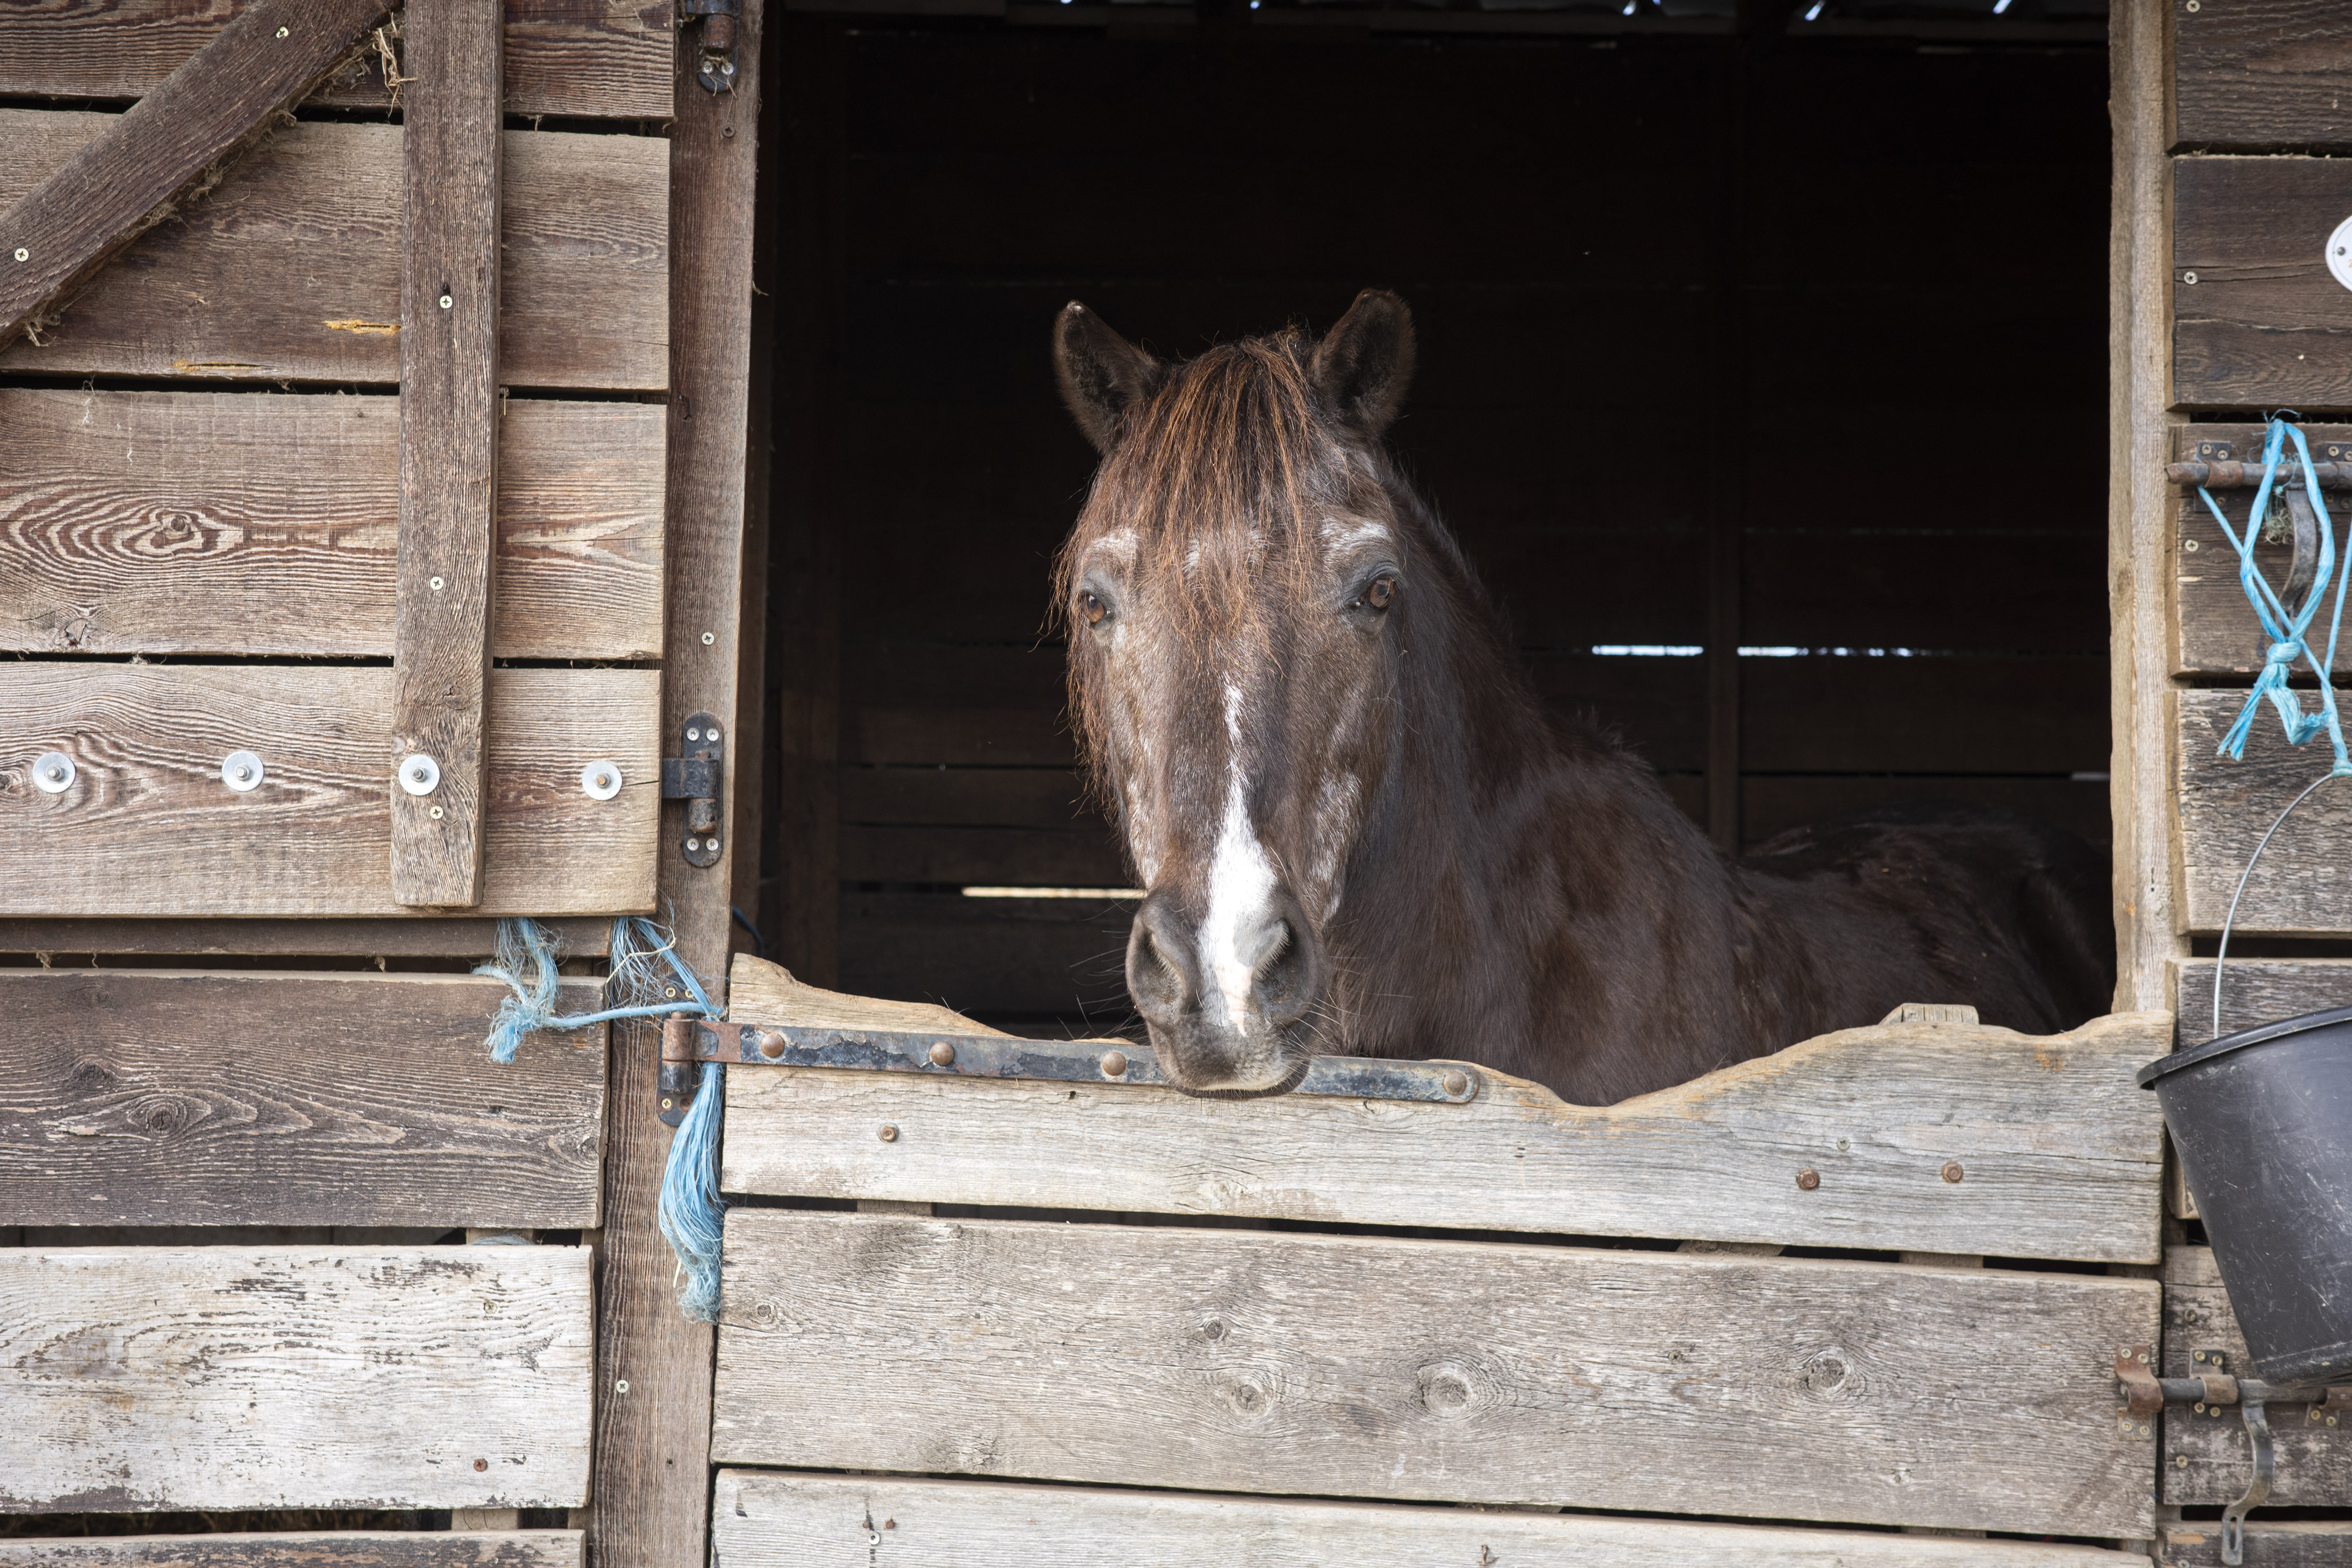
point(1360, 833)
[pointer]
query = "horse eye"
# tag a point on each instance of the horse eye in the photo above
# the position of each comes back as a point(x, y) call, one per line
point(1381, 591)
point(1092, 609)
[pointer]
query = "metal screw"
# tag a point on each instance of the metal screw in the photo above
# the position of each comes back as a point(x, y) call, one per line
point(1808, 1179)
point(888, 1134)
point(436, 585)
point(667, 1103)
point(1952, 1171)
point(489, 1309)
point(53, 773)
point(447, 302)
point(600, 780)
point(24, 255)
point(873, 1538)
point(1456, 1084)
point(283, 31)
point(437, 814)
point(694, 735)
point(621, 1386)
point(772, 1044)
point(419, 774)
point(942, 1053)
point(2180, 1460)
point(708, 638)
point(2192, 5)
point(2198, 1357)
point(2140, 1355)
point(1845, 1144)
point(2189, 276)
point(481, 1464)
point(1113, 1064)
point(2189, 545)
point(669, 991)
point(242, 771)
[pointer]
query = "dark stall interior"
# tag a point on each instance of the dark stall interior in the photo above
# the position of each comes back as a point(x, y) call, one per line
point(1762, 372)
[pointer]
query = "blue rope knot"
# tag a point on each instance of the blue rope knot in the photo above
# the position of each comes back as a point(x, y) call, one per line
point(2288, 630)
point(643, 964)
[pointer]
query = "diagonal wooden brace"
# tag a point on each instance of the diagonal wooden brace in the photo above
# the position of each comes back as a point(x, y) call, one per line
point(448, 448)
point(221, 99)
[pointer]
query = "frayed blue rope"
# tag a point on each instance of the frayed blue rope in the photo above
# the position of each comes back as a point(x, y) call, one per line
point(644, 962)
point(690, 1212)
point(2288, 630)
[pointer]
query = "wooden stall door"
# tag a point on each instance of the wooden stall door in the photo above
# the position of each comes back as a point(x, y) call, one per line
point(411, 422)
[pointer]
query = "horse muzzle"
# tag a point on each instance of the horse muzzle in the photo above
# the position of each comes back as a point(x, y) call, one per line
point(1229, 1022)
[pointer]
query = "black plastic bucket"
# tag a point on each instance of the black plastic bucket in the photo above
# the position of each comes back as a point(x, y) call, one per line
point(2263, 1122)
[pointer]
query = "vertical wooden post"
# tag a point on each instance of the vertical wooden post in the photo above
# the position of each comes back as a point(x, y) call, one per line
point(448, 446)
point(652, 1487)
point(2139, 503)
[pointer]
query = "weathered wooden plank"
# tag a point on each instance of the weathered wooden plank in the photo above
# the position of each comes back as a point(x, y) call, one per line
point(2058, 1151)
point(2287, 1544)
point(223, 1378)
point(149, 827)
point(1351, 1366)
point(2263, 324)
point(353, 1548)
point(2262, 74)
point(197, 120)
point(448, 448)
point(653, 1444)
point(2257, 991)
point(344, 1099)
point(2206, 1457)
point(2139, 360)
point(763, 1520)
point(290, 270)
point(399, 938)
point(2213, 629)
point(228, 523)
point(2303, 882)
point(582, 58)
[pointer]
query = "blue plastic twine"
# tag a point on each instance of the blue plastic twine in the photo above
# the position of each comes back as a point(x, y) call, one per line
point(643, 963)
point(2287, 630)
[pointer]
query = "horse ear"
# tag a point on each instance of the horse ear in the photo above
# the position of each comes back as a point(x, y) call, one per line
point(1364, 363)
point(1102, 374)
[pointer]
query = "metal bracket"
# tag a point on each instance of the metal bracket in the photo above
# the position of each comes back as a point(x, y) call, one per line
point(686, 1041)
point(715, 68)
point(2211, 1389)
point(698, 778)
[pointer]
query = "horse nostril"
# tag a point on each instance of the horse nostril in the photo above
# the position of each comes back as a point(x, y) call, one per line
point(1285, 976)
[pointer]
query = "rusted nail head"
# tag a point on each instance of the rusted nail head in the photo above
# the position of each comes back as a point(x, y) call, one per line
point(1808, 1179)
point(1456, 1083)
point(1113, 1064)
point(772, 1044)
point(1952, 1171)
point(942, 1053)
point(481, 1464)
point(888, 1134)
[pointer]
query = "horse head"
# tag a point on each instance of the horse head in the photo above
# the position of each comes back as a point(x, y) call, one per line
point(1239, 593)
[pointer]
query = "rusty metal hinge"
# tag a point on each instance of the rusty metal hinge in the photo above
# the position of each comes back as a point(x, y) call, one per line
point(688, 1041)
point(715, 61)
point(699, 779)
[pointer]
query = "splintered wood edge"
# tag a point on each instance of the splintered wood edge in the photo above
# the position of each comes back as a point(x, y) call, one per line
point(760, 991)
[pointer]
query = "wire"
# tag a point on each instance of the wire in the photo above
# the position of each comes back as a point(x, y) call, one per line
point(2221, 956)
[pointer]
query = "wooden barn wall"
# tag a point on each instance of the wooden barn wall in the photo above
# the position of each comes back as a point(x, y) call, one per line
point(1563, 216)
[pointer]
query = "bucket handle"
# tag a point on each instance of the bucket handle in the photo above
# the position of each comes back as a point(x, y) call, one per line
point(2221, 955)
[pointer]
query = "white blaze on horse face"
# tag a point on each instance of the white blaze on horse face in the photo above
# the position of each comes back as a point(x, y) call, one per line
point(1240, 887)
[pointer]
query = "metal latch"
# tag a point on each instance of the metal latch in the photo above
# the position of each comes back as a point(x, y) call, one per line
point(696, 779)
point(2144, 1395)
point(716, 67)
point(688, 1041)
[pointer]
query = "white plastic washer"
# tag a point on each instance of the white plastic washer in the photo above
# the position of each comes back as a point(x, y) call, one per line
point(53, 772)
point(419, 774)
point(2340, 254)
point(242, 770)
point(600, 780)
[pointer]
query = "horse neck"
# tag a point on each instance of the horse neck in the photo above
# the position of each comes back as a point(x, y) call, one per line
point(1499, 819)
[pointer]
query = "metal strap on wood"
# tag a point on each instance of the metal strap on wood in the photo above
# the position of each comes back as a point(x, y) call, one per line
point(686, 1041)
